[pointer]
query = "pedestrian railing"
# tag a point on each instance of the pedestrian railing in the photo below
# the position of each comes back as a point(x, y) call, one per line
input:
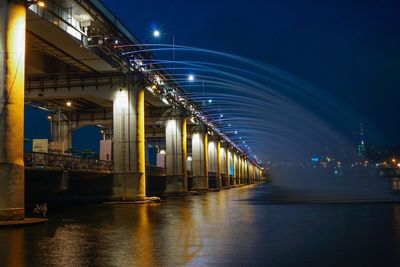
point(155, 171)
point(55, 161)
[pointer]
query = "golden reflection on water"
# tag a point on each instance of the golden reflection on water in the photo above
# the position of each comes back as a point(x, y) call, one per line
point(182, 231)
point(12, 247)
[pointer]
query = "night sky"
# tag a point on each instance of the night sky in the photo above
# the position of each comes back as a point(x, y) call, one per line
point(350, 49)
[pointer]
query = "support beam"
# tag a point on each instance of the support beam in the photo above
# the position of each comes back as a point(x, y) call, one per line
point(200, 161)
point(129, 142)
point(213, 181)
point(239, 168)
point(12, 75)
point(235, 172)
point(220, 163)
point(176, 154)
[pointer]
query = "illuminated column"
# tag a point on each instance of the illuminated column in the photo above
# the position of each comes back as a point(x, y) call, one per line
point(213, 162)
point(200, 161)
point(244, 177)
point(235, 163)
point(176, 154)
point(241, 170)
point(257, 174)
point(240, 166)
point(227, 166)
point(251, 173)
point(12, 78)
point(221, 164)
point(129, 143)
point(246, 172)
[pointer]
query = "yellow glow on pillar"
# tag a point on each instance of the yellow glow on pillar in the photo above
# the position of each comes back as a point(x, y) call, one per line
point(141, 143)
point(234, 168)
point(228, 181)
point(219, 159)
point(16, 82)
point(184, 152)
point(206, 156)
point(12, 60)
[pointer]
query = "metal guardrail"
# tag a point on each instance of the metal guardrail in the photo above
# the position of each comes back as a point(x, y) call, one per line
point(64, 162)
point(155, 171)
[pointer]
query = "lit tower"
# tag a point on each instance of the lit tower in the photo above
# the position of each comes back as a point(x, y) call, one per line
point(361, 148)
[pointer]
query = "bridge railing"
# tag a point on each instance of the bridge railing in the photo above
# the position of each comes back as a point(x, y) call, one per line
point(155, 171)
point(56, 161)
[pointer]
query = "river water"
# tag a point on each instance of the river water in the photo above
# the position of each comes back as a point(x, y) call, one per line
point(236, 227)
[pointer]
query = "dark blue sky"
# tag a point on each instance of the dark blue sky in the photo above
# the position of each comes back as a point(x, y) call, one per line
point(351, 49)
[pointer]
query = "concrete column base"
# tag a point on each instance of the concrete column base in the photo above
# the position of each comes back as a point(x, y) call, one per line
point(128, 187)
point(12, 206)
point(232, 181)
point(199, 183)
point(176, 184)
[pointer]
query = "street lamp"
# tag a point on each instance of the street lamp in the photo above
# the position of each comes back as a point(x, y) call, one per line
point(156, 33)
point(191, 78)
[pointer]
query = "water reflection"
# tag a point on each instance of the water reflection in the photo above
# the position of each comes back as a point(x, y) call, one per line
point(12, 247)
point(232, 227)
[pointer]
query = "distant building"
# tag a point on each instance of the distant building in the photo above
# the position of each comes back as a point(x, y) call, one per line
point(361, 147)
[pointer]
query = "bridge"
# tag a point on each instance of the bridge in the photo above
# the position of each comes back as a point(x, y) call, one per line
point(75, 66)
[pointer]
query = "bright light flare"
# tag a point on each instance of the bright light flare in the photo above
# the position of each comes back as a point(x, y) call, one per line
point(156, 33)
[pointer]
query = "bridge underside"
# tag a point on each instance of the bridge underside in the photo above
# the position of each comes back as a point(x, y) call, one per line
point(71, 69)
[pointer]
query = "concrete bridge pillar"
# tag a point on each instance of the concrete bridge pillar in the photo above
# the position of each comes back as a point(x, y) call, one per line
point(176, 155)
point(200, 161)
point(12, 78)
point(257, 174)
point(213, 181)
point(251, 173)
point(221, 164)
point(246, 176)
point(129, 142)
point(235, 168)
point(226, 166)
point(240, 171)
point(61, 132)
point(248, 171)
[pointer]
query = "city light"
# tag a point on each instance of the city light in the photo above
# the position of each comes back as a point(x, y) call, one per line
point(68, 103)
point(191, 78)
point(41, 3)
point(210, 101)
